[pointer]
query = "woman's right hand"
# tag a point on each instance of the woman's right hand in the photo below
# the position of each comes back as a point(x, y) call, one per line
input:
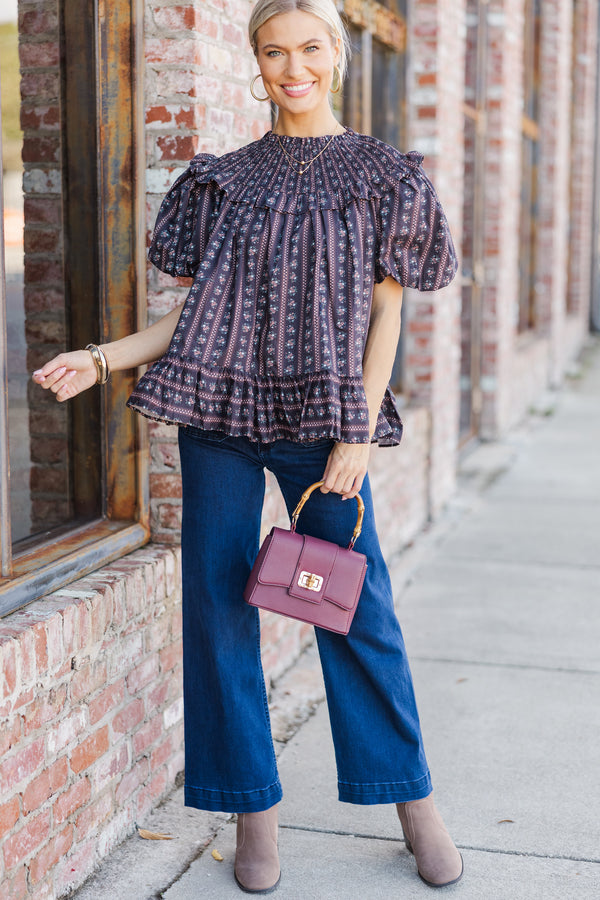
point(68, 374)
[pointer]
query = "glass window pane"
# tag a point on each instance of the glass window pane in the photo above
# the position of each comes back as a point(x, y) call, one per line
point(388, 95)
point(43, 492)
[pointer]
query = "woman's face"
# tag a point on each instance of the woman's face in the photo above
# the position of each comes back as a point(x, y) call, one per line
point(296, 55)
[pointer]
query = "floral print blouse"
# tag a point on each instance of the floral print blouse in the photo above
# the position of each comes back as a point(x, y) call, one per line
point(271, 337)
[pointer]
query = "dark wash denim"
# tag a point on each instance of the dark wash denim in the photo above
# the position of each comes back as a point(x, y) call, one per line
point(230, 762)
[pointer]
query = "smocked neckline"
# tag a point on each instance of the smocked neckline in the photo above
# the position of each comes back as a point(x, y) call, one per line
point(297, 139)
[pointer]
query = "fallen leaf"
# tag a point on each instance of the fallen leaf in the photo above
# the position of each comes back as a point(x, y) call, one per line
point(460, 680)
point(216, 855)
point(500, 821)
point(153, 835)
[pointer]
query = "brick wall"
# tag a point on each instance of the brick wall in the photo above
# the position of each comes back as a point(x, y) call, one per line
point(198, 70)
point(91, 712)
point(585, 36)
point(435, 117)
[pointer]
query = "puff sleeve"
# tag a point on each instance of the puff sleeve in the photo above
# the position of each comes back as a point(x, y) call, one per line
point(184, 220)
point(415, 246)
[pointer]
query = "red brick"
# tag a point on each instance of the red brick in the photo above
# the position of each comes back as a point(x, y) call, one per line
point(8, 671)
point(178, 52)
point(72, 870)
point(170, 656)
point(40, 85)
point(158, 696)
point(39, 55)
point(93, 815)
point(148, 734)
point(113, 765)
point(33, 834)
point(71, 799)
point(41, 241)
point(41, 299)
point(44, 270)
point(169, 516)
point(46, 784)
point(191, 117)
point(22, 699)
point(131, 781)
point(180, 148)
point(37, 22)
point(42, 211)
point(150, 793)
point(41, 148)
point(10, 734)
point(142, 675)
point(126, 720)
point(108, 699)
point(235, 35)
point(22, 765)
point(50, 854)
point(34, 118)
point(161, 754)
point(88, 679)
point(90, 750)
point(185, 19)
point(9, 814)
point(15, 887)
point(163, 485)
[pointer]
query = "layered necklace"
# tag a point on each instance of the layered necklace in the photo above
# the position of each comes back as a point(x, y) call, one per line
point(306, 163)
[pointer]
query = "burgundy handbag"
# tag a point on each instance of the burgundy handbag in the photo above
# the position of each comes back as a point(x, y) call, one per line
point(307, 578)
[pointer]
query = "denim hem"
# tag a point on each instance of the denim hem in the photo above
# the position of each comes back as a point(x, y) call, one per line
point(384, 792)
point(233, 801)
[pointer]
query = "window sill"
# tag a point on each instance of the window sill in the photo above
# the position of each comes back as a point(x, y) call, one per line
point(53, 564)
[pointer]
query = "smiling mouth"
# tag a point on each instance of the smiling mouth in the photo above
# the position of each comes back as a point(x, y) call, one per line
point(297, 89)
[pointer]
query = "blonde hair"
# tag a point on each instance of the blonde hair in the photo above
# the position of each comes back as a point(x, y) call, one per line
point(321, 9)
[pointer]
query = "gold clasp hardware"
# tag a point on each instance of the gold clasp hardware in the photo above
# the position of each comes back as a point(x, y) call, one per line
point(310, 582)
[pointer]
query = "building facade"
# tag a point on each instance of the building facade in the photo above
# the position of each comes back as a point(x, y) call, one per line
point(113, 99)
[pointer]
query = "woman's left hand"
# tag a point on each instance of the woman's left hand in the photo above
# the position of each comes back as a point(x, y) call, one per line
point(346, 469)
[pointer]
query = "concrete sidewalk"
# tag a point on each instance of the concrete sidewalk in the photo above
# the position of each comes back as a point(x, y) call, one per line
point(500, 607)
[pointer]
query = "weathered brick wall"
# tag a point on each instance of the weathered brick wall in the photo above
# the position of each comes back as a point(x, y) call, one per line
point(585, 40)
point(91, 713)
point(502, 205)
point(517, 367)
point(554, 168)
point(198, 70)
point(435, 127)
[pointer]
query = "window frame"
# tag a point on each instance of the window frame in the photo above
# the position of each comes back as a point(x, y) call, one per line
point(109, 159)
point(385, 23)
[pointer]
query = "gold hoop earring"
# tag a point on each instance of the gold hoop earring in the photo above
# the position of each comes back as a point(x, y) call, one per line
point(336, 70)
point(252, 83)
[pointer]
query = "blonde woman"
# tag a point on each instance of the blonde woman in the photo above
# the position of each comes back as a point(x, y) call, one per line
point(299, 245)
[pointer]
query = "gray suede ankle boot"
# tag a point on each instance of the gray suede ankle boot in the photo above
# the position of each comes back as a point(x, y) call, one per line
point(256, 856)
point(438, 861)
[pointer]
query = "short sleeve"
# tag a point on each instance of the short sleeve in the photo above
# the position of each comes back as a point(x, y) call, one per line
point(415, 246)
point(184, 220)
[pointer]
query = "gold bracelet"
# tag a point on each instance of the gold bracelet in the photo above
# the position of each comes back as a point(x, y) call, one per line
point(102, 370)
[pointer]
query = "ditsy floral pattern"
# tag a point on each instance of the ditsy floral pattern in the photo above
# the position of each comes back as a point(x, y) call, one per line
point(270, 340)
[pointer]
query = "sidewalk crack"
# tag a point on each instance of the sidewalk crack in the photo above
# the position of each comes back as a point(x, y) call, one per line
point(478, 849)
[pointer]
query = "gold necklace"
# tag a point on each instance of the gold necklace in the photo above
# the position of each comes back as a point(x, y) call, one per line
point(305, 164)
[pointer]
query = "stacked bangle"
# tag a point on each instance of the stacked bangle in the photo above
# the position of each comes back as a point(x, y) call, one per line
point(102, 370)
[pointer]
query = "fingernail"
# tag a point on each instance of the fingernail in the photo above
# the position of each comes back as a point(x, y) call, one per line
point(71, 373)
point(37, 371)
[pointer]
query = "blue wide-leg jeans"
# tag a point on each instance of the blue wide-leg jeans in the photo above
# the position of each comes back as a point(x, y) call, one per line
point(230, 761)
